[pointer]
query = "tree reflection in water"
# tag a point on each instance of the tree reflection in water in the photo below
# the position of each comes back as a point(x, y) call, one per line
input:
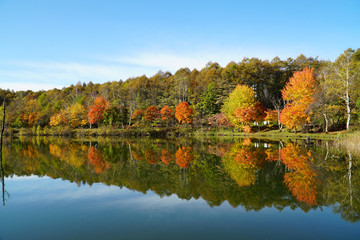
point(250, 173)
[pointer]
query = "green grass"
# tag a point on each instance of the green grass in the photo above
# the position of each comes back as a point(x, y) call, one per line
point(345, 137)
point(273, 134)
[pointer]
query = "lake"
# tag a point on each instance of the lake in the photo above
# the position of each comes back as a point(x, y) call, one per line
point(106, 188)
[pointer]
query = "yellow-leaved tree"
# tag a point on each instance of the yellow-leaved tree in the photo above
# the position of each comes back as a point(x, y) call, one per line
point(242, 98)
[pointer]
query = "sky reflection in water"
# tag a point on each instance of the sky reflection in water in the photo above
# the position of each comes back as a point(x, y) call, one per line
point(47, 208)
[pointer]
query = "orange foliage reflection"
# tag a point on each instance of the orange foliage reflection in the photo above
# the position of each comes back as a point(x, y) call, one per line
point(166, 157)
point(96, 159)
point(150, 156)
point(301, 180)
point(272, 155)
point(184, 157)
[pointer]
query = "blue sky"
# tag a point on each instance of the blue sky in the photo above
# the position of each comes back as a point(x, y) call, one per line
point(46, 44)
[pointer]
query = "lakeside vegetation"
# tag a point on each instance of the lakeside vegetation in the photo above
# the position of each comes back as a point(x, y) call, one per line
point(261, 97)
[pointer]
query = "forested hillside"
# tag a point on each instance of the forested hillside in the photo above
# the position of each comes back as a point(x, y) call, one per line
point(291, 92)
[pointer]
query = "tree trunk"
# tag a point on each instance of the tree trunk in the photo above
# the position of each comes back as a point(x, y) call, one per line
point(347, 100)
point(2, 129)
point(349, 176)
point(278, 120)
point(1, 167)
point(326, 123)
point(348, 111)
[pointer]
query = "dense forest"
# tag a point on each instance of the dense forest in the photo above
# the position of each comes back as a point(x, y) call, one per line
point(299, 94)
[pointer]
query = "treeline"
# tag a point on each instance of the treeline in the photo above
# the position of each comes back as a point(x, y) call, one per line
point(200, 98)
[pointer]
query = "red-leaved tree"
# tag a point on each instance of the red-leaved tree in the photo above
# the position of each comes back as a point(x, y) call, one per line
point(96, 113)
point(151, 113)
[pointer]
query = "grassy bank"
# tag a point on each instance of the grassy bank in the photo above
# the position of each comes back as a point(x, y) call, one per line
point(101, 131)
point(271, 134)
point(351, 141)
point(183, 132)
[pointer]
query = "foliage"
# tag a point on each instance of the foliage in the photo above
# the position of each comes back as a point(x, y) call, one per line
point(96, 113)
point(184, 156)
point(151, 113)
point(237, 86)
point(137, 115)
point(250, 114)
point(219, 121)
point(77, 115)
point(271, 115)
point(184, 113)
point(293, 116)
point(207, 104)
point(96, 159)
point(301, 87)
point(301, 179)
point(167, 114)
point(299, 92)
point(242, 97)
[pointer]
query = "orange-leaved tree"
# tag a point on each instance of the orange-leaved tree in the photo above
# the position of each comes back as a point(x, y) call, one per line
point(293, 115)
point(96, 113)
point(247, 115)
point(299, 93)
point(271, 115)
point(137, 115)
point(167, 114)
point(183, 112)
point(151, 113)
point(301, 87)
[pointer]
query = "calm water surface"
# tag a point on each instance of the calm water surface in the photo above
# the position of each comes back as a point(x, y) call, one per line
point(58, 188)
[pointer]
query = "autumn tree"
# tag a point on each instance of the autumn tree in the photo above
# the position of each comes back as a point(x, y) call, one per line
point(167, 114)
point(184, 113)
point(293, 116)
point(96, 113)
point(77, 115)
point(219, 121)
point(271, 115)
point(299, 93)
point(254, 113)
point(151, 113)
point(58, 119)
point(301, 87)
point(137, 115)
point(241, 98)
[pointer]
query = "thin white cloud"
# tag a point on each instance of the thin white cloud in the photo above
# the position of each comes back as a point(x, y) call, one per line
point(163, 61)
point(45, 75)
